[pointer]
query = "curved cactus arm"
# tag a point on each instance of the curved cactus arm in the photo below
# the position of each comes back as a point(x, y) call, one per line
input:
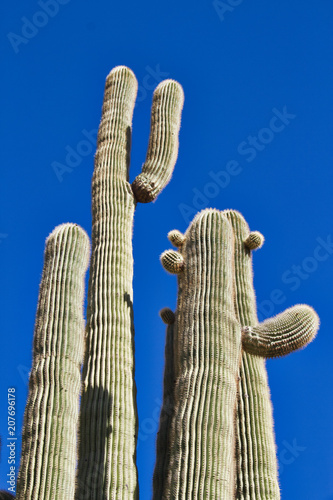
point(288, 331)
point(207, 350)
point(47, 469)
point(162, 441)
point(162, 150)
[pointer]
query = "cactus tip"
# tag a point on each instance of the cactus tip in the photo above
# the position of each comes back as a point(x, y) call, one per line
point(176, 238)
point(254, 240)
point(172, 261)
point(167, 316)
point(144, 189)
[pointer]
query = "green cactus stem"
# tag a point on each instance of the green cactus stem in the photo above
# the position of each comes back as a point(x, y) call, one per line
point(207, 350)
point(288, 331)
point(162, 442)
point(163, 142)
point(257, 475)
point(108, 415)
point(47, 469)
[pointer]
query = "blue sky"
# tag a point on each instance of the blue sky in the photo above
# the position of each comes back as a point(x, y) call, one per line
point(241, 64)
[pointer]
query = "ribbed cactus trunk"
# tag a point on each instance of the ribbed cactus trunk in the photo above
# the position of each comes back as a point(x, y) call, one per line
point(257, 477)
point(257, 474)
point(163, 435)
point(107, 466)
point(215, 302)
point(48, 463)
point(108, 416)
point(207, 349)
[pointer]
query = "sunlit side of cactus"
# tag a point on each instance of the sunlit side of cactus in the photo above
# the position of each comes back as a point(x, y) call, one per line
point(48, 462)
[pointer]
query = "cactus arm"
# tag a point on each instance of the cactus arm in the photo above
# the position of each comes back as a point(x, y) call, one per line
point(162, 441)
point(207, 353)
point(162, 150)
point(108, 417)
point(283, 334)
point(256, 463)
point(48, 462)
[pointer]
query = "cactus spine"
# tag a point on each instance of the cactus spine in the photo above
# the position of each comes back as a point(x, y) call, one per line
point(48, 463)
point(108, 417)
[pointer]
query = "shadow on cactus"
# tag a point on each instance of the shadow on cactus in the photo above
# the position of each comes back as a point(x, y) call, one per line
point(216, 437)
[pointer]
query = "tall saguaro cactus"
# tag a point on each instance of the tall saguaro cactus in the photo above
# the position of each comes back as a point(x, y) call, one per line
point(207, 350)
point(219, 349)
point(48, 462)
point(257, 474)
point(108, 417)
point(216, 439)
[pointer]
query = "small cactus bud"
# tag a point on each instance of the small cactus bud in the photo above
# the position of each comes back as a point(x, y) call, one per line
point(172, 261)
point(254, 240)
point(168, 316)
point(176, 238)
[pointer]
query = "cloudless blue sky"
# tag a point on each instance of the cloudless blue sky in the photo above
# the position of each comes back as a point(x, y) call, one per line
point(239, 69)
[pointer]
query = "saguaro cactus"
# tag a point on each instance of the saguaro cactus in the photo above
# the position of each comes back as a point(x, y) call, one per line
point(215, 303)
point(108, 417)
point(207, 350)
point(257, 475)
point(47, 469)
